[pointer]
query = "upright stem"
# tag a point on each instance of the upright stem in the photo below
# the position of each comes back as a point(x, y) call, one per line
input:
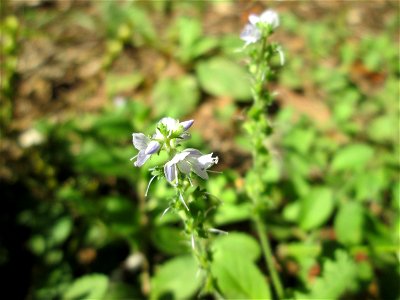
point(259, 162)
point(266, 248)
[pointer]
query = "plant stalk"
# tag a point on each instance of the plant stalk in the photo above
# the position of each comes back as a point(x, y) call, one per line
point(268, 256)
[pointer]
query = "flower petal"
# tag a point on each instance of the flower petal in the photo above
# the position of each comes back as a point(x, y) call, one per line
point(184, 167)
point(250, 34)
point(199, 170)
point(170, 171)
point(207, 160)
point(170, 123)
point(140, 141)
point(270, 17)
point(141, 159)
point(254, 19)
point(152, 147)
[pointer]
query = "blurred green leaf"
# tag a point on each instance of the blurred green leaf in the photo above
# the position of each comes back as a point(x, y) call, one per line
point(175, 97)
point(338, 277)
point(119, 290)
point(170, 240)
point(350, 157)
point(231, 213)
point(222, 77)
point(119, 83)
point(239, 278)
point(60, 230)
point(93, 286)
point(316, 208)
point(349, 223)
point(176, 279)
point(239, 243)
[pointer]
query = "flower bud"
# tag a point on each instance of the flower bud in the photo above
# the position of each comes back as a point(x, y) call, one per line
point(187, 124)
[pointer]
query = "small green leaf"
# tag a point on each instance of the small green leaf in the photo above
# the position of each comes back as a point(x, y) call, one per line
point(176, 279)
point(120, 83)
point(222, 77)
point(316, 208)
point(61, 230)
point(239, 278)
point(349, 223)
point(231, 213)
point(352, 157)
point(241, 244)
point(170, 240)
point(93, 286)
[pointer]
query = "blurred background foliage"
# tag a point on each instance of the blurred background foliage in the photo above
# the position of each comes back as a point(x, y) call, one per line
point(77, 78)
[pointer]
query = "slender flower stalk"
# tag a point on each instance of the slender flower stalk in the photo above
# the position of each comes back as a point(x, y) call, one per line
point(260, 52)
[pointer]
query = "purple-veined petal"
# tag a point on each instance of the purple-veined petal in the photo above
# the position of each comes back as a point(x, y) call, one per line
point(141, 159)
point(170, 172)
point(140, 141)
point(152, 147)
point(187, 124)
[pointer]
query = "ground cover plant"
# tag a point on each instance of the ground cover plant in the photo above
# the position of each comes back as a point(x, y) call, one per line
point(298, 101)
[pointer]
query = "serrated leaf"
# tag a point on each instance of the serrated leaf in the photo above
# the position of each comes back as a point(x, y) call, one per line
point(352, 157)
point(176, 279)
point(93, 286)
point(349, 223)
point(338, 277)
point(222, 77)
point(239, 278)
point(316, 208)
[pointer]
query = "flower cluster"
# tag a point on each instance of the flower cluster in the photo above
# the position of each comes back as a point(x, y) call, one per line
point(252, 32)
point(168, 135)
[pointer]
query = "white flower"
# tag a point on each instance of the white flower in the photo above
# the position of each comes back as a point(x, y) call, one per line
point(189, 160)
point(251, 32)
point(269, 16)
point(145, 146)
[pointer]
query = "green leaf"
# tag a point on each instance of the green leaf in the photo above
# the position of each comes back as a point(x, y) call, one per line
point(93, 286)
point(61, 230)
point(176, 279)
point(169, 240)
point(120, 83)
point(175, 97)
point(349, 223)
point(316, 208)
point(338, 277)
point(231, 213)
point(241, 244)
point(352, 157)
point(239, 278)
point(222, 77)
point(119, 290)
